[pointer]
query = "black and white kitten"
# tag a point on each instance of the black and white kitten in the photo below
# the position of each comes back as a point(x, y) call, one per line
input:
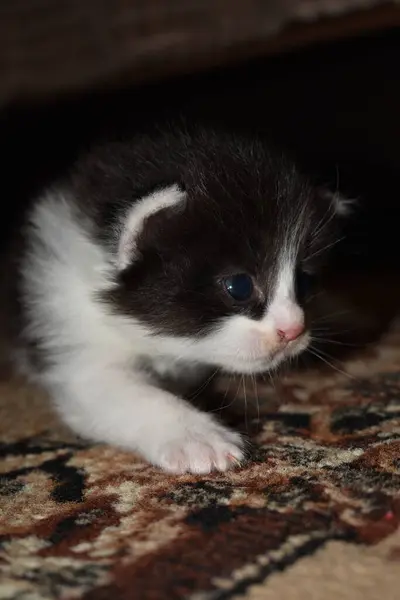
point(159, 258)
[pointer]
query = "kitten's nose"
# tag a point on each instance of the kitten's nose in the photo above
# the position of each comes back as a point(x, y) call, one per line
point(288, 334)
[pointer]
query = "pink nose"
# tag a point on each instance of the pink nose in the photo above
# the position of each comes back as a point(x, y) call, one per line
point(288, 334)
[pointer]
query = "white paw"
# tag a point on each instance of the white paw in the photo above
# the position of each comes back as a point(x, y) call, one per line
point(201, 446)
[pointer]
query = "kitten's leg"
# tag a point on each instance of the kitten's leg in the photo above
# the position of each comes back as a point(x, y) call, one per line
point(113, 406)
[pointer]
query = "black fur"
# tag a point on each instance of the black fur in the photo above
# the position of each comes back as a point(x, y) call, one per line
point(245, 200)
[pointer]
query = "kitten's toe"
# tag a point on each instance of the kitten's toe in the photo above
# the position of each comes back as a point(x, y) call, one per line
point(203, 449)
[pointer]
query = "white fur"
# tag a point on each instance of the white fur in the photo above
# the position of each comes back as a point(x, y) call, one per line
point(133, 222)
point(284, 312)
point(341, 205)
point(96, 378)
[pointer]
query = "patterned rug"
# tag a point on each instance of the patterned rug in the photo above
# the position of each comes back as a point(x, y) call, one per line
point(312, 515)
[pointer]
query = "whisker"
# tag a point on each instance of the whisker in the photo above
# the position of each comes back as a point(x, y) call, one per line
point(238, 388)
point(204, 385)
point(321, 250)
point(329, 356)
point(223, 407)
point(336, 342)
point(326, 327)
point(245, 405)
point(256, 396)
point(332, 315)
point(327, 362)
point(331, 330)
point(324, 222)
point(272, 381)
point(314, 296)
point(228, 388)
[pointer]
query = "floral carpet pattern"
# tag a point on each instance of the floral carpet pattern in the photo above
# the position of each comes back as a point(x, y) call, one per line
point(314, 512)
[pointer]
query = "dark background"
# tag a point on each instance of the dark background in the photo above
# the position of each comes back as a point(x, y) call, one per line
point(335, 107)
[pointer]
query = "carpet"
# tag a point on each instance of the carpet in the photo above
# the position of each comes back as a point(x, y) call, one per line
point(313, 514)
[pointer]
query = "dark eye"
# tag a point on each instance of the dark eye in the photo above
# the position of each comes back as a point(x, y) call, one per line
point(240, 287)
point(304, 284)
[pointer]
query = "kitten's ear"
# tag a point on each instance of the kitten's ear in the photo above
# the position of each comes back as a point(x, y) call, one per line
point(135, 219)
point(342, 205)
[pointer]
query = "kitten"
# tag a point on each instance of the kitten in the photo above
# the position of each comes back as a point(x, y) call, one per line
point(162, 257)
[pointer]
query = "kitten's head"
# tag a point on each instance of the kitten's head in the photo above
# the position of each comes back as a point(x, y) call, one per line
point(217, 240)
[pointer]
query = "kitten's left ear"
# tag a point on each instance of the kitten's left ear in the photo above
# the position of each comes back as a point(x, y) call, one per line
point(342, 206)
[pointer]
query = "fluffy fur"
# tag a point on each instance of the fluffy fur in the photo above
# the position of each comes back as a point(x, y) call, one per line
point(121, 284)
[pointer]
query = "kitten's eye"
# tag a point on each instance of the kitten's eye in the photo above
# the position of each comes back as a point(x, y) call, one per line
point(240, 287)
point(304, 284)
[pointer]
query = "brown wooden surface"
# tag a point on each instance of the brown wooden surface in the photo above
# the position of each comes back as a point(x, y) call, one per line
point(50, 46)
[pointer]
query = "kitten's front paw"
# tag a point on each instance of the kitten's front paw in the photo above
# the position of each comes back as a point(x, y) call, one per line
point(201, 447)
